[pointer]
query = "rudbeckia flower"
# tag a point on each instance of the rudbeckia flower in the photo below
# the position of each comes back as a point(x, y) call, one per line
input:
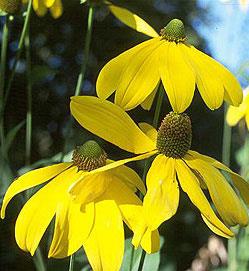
point(42, 6)
point(135, 75)
point(235, 114)
point(174, 165)
point(107, 198)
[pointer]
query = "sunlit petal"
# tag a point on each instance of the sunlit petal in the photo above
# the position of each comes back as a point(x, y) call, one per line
point(132, 20)
point(111, 123)
point(31, 179)
point(162, 198)
point(105, 245)
point(190, 185)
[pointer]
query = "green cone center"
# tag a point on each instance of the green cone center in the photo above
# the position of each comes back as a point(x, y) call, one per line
point(174, 135)
point(89, 156)
point(174, 31)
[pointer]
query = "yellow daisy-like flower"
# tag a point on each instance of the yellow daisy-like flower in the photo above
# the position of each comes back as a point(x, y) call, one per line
point(107, 198)
point(42, 6)
point(175, 164)
point(135, 74)
point(235, 114)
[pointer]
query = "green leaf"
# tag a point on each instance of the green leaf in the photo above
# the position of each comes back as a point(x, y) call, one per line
point(11, 136)
point(151, 261)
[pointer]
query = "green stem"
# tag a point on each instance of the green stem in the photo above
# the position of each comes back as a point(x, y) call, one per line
point(81, 76)
point(141, 263)
point(158, 105)
point(82, 71)
point(227, 135)
point(226, 153)
point(18, 55)
point(38, 261)
point(29, 101)
point(71, 263)
point(4, 48)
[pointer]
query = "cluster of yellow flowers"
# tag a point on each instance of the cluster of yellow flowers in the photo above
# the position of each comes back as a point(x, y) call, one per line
point(92, 196)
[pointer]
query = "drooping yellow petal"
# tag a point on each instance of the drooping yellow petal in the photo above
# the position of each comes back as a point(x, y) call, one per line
point(213, 80)
point(39, 210)
point(129, 177)
point(105, 245)
point(74, 187)
point(177, 76)
point(241, 184)
point(56, 9)
point(147, 103)
point(235, 114)
point(223, 196)
point(109, 76)
point(39, 7)
point(149, 130)
point(162, 198)
point(49, 3)
point(111, 123)
point(90, 187)
point(132, 20)
point(151, 241)
point(190, 185)
point(132, 88)
point(72, 227)
point(31, 179)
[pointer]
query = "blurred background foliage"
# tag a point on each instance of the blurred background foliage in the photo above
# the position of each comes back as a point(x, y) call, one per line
point(56, 54)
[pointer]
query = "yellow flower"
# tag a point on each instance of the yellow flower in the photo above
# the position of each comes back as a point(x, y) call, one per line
point(175, 164)
point(107, 198)
point(235, 114)
point(135, 74)
point(42, 6)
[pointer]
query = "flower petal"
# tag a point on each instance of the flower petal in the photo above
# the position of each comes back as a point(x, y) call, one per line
point(105, 245)
point(209, 76)
point(111, 123)
point(151, 241)
point(57, 9)
point(177, 75)
point(223, 196)
point(241, 184)
point(39, 7)
point(31, 179)
point(74, 187)
point(132, 20)
point(147, 103)
point(39, 210)
point(90, 187)
point(109, 76)
point(149, 130)
point(132, 89)
point(49, 3)
point(72, 227)
point(191, 186)
point(235, 114)
point(162, 198)
point(129, 177)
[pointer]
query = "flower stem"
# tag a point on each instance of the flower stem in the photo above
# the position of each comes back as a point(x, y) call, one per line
point(226, 153)
point(38, 261)
point(29, 101)
point(226, 143)
point(141, 263)
point(4, 48)
point(71, 263)
point(18, 55)
point(81, 76)
point(158, 106)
